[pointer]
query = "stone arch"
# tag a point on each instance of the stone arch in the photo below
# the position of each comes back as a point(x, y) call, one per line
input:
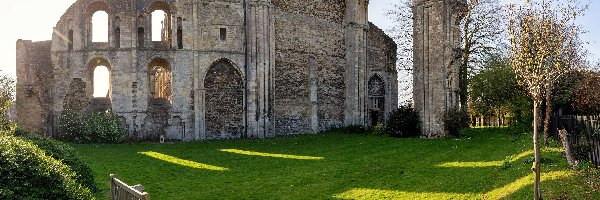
point(160, 79)
point(159, 5)
point(95, 6)
point(166, 26)
point(376, 92)
point(99, 104)
point(91, 9)
point(160, 97)
point(224, 100)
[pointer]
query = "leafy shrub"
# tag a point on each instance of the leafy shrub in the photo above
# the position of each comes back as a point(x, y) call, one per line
point(586, 99)
point(404, 122)
point(379, 129)
point(581, 152)
point(455, 121)
point(27, 173)
point(64, 153)
point(70, 127)
point(104, 128)
point(353, 129)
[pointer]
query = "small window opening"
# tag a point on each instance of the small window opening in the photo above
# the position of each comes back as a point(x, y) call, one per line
point(99, 27)
point(117, 33)
point(140, 36)
point(101, 81)
point(223, 33)
point(70, 42)
point(117, 37)
point(179, 33)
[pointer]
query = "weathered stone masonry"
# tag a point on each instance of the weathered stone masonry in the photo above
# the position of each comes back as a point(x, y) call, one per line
point(224, 68)
point(437, 43)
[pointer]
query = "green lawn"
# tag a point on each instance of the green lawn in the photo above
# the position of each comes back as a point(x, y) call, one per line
point(337, 166)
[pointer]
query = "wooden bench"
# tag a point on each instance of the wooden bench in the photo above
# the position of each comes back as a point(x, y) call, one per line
point(122, 191)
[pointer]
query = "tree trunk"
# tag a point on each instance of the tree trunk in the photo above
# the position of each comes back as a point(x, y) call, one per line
point(564, 138)
point(548, 113)
point(536, 165)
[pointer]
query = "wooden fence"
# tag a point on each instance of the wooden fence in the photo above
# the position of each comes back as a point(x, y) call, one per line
point(489, 121)
point(122, 191)
point(582, 130)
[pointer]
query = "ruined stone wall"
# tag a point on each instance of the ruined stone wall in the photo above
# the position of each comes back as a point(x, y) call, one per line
point(233, 68)
point(34, 86)
point(308, 30)
point(381, 62)
point(436, 46)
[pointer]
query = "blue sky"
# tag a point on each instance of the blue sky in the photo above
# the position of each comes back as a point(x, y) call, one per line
point(34, 19)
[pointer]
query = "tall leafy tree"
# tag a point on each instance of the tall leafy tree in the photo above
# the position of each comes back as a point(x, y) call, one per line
point(494, 90)
point(7, 90)
point(587, 96)
point(543, 35)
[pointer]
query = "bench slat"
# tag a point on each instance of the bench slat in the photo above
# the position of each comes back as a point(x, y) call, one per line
point(121, 191)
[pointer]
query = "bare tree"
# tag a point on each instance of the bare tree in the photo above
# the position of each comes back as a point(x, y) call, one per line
point(483, 30)
point(542, 36)
point(402, 33)
point(484, 33)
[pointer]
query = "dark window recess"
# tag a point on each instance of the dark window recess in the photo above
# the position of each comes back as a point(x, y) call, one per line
point(223, 34)
point(179, 33)
point(70, 42)
point(117, 38)
point(141, 36)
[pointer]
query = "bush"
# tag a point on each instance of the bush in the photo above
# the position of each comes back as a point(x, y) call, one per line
point(104, 128)
point(70, 127)
point(379, 129)
point(455, 121)
point(27, 173)
point(586, 99)
point(404, 122)
point(352, 129)
point(581, 152)
point(64, 153)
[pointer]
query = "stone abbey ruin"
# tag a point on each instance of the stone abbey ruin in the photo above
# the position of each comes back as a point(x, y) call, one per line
point(235, 68)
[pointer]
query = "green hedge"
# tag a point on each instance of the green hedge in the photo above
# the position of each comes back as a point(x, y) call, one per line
point(103, 127)
point(26, 172)
point(64, 153)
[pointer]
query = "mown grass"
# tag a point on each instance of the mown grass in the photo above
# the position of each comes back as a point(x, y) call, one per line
point(355, 166)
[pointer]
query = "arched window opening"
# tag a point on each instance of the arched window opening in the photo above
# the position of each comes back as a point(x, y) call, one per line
point(117, 32)
point(99, 27)
point(101, 81)
point(160, 79)
point(376, 94)
point(160, 26)
point(179, 33)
